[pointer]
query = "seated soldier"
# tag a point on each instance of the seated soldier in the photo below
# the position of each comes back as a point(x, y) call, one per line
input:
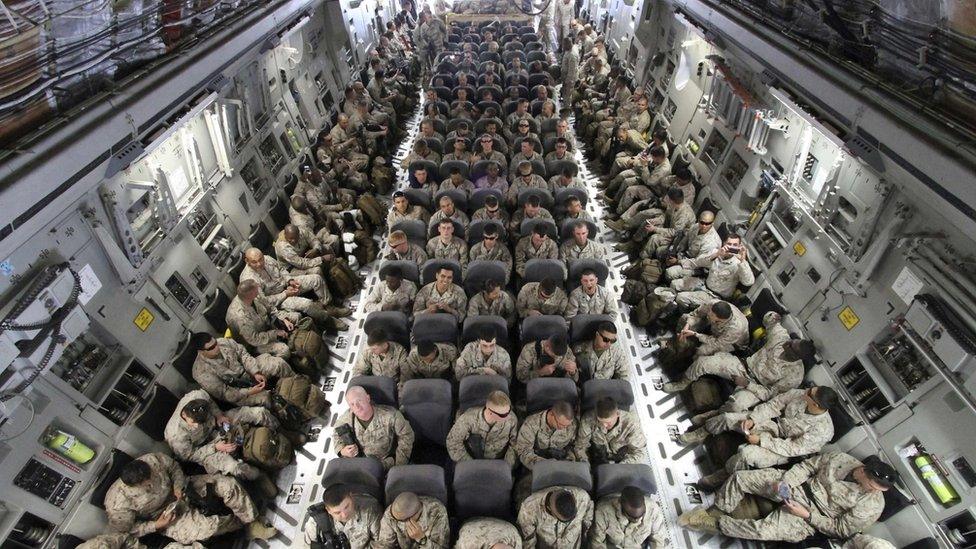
point(628, 519)
point(651, 171)
point(556, 517)
point(602, 356)
point(420, 178)
point(728, 268)
point(491, 248)
point(561, 152)
point(373, 430)
point(794, 424)
point(492, 210)
point(392, 294)
point(421, 152)
point(401, 249)
point(152, 495)
point(456, 179)
point(414, 522)
point(304, 252)
point(590, 298)
point(549, 434)
point(200, 432)
point(718, 327)
point(485, 433)
point(447, 246)
point(483, 356)
point(581, 246)
point(492, 533)
point(442, 296)
point(447, 210)
point(537, 245)
point(531, 209)
point(645, 219)
point(541, 298)
point(429, 360)
point(610, 435)
point(300, 215)
point(343, 512)
point(549, 357)
point(228, 372)
point(460, 154)
point(565, 179)
point(493, 178)
point(284, 290)
point(526, 154)
point(492, 300)
point(380, 357)
point(573, 209)
point(402, 210)
point(696, 243)
point(833, 494)
point(255, 321)
point(524, 180)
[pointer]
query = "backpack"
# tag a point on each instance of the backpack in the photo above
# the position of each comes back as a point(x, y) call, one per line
point(366, 249)
point(266, 448)
point(343, 279)
point(301, 392)
point(382, 177)
point(308, 350)
point(372, 209)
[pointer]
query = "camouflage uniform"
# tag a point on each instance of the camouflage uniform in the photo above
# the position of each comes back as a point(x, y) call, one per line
point(624, 443)
point(613, 529)
point(134, 509)
point(382, 298)
point(725, 335)
point(454, 297)
point(839, 508)
point(570, 250)
point(529, 361)
point(529, 300)
point(499, 252)
point(116, 541)
point(362, 530)
point(498, 439)
point(543, 531)
point(518, 184)
point(413, 212)
point(433, 520)
point(472, 361)
point(602, 302)
point(294, 254)
point(500, 215)
point(458, 216)
point(668, 221)
point(234, 362)
point(555, 185)
point(387, 437)
point(414, 253)
point(302, 220)
point(536, 436)
point(455, 249)
point(724, 277)
point(694, 244)
point(198, 443)
point(274, 280)
point(485, 533)
point(863, 541)
point(647, 184)
point(442, 367)
point(387, 365)
point(524, 251)
point(611, 363)
point(504, 307)
point(252, 324)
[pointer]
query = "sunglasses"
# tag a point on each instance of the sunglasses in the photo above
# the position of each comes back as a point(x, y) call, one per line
point(706, 223)
point(607, 339)
point(490, 238)
point(506, 414)
point(211, 347)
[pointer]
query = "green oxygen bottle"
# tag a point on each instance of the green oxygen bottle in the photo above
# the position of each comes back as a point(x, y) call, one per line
point(937, 482)
point(68, 446)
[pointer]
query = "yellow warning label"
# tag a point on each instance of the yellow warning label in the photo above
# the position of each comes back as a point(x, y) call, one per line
point(799, 248)
point(849, 318)
point(143, 319)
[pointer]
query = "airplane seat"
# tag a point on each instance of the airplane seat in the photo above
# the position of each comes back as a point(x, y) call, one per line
point(543, 392)
point(723, 230)
point(434, 143)
point(291, 182)
point(429, 271)
point(583, 327)
point(482, 488)
point(535, 328)
point(538, 79)
point(448, 165)
point(763, 303)
point(490, 56)
point(577, 266)
point(617, 389)
point(473, 325)
point(117, 461)
point(707, 205)
point(485, 105)
point(536, 55)
point(362, 474)
point(538, 165)
point(216, 311)
point(533, 45)
point(421, 479)
point(556, 167)
point(235, 270)
point(537, 270)
point(528, 225)
point(481, 270)
point(473, 391)
point(436, 327)
point(381, 389)
point(260, 237)
point(458, 230)
point(415, 229)
point(183, 360)
point(550, 472)
point(476, 231)
point(428, 405)
point(512, 54)
point(459, 197)
point(924, 543)
point(156, 413)
point(611, 478)
point(408, 269)
point(433, 170)
point(394, 323)
point(566, 229)
point(279, 211)
point(549, 126)
point(477, 199)
point(843, 422)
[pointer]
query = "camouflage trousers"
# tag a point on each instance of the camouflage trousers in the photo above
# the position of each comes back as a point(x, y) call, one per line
point(231, 464)
point(191, 525)
point(779, 525)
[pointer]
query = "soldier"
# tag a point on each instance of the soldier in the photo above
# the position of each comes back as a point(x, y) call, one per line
point(605, 359)
point(305, 252)
point(573, 211)
point(523, 179)
point(402, 210)
point(556, 517)
point(549, 357)
point(728, 268)
point(447, 246)
point(493, 211)
point(537, 245)
point(197, 432)
point(456, 179)
point(590, 298)
point(442, 296)
point(610, 435)
point(864, 541)
point(126, 541)
point(252, 318)
point(228, 372)
point(373, 430)
point(299, 215)
point(833, 494)
point(793, 424)
point(629, 519)
point(429, 360)
point(565, 179)
point(381, 357)
point(402, 249)
point(485, 433)
point(696, 243)
point(643, 220)
point(483, 357)
point(447, 210)
point(531, 209)
point(727, 328)
point(493, 301)
point(489, 533)
point(152, 495)
point(414, 522)
point(492, 179)
point(283, 289)
point(491, 249)
point(342, 511)
point(580, 246)
point(393, 294)
point(541, 298)
point(651, 171)
point(549, 434)
point(526, 154)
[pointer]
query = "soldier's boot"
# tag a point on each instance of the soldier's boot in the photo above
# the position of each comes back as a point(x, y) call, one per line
point(699, 520)
point(696, 436)
point(676, 386)
point(266, 486)
point(332, 324)
point(324, 319)
point(259, 530)
point(618, 225)
point(699, 419)
point(297, 439)
point(339, 312)
point(709, 483)
point(628, 247)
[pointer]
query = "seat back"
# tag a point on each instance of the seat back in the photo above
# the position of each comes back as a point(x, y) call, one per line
point(539, 327)
point(482, 488)
point(436, 327)
point(158, 408)
point(216, 311)
point(611, 478)
point(543, 392)
point(458, 229)
point(260, 237)
point(764, 302)
point(617, 389)
point(459, 197)
point(117, 461)
point(184, 358)
point(529, 225)
point(477, 200)
point(415, 229)
point(566, 229)
point(481, 270)
point(556, 167)
point(278, 211)
point(423, 480)
point(362, 475)
point(474, 324)
point(550, 473)
point(474, 390)
point(394, 323)
point(428, 406)
point(577, 266)
point(537, 270)
point(433, 170)
point(381, 389)
point(545, 197)
point(707, 205)
point(429, 271)
point(448, 165)
point(408, 269)
point(583, 327)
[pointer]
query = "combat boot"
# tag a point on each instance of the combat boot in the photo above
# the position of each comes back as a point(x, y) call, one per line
point(296, 438)
point(333, 325)
point(324, 319)
point(696, 436)
point(699, 520)
point(676, 386)
point(712, 482)
point(266, 486)
point(617, 225)
point(699, 419)
point(338, 312)
point(259, 530)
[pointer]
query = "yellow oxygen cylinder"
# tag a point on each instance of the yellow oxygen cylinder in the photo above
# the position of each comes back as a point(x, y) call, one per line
point(937, 482)
point(68, 446)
